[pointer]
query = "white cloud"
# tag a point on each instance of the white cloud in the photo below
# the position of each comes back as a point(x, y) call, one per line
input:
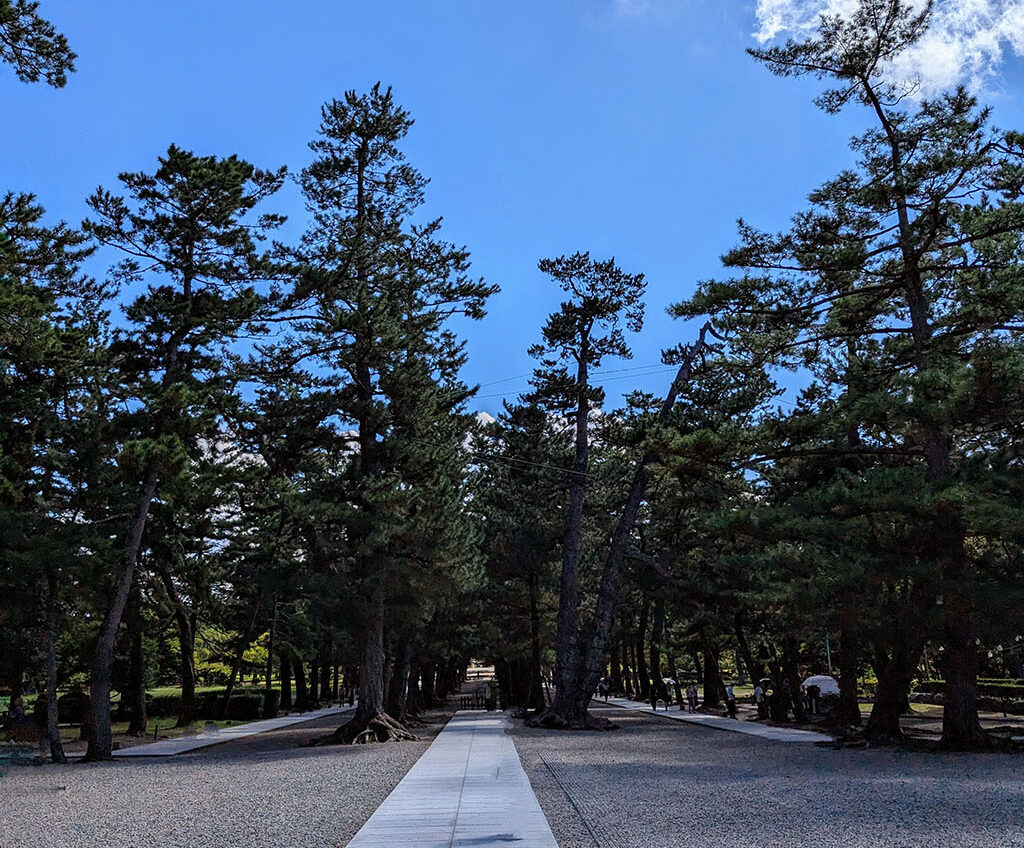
point(966, 43)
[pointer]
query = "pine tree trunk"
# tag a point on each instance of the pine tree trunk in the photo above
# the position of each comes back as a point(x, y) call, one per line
point(640, 653)
point(398, 688)
point(754, 667)
point(100, 737)
point(791, 672)
point(657, 630)
point(314, 679)
point(414, 699)
point(615, 677)
point(535, 700)
point(594, 653)
point(186, 640)
point(634, 671)
point(569, 707)
point(135, 695)
point(370, 722)
point(714, 688)
point(427, 691)
point(50, 656)
point(271, 646)
point(286, 678)
point(847, 713)
point(236, 662)
point(325, 678)
point(961, 727)
point(301, 692)
point(16, 680)
point(894, 673)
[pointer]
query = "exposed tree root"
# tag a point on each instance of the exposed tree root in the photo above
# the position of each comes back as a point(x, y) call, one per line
point(883, 737)
point(976, 740)
point(556, 721)
point(360, 731)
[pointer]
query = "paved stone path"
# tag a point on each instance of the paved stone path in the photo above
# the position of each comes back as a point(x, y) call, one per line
point(751, 728)
point(468, 789)
point(170, 747)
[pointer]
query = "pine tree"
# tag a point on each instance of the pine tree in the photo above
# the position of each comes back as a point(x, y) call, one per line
point(31, 44)
point(187, 235)
point(586, 329)
point(915, 256)
point(373, 294)
point(51, 326)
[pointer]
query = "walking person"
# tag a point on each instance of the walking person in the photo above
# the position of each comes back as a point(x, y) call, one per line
point(730, 701)
point(761, 701)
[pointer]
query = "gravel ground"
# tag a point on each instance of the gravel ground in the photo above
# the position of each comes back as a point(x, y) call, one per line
point(264, 791)
point(663, 784)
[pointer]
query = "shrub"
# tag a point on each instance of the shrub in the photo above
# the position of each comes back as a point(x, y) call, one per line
point(245, 707)
point(72, 707)
point(163, 705)
point(1001, 689)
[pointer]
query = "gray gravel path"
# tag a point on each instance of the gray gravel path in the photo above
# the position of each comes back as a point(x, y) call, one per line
point(265, 791)
point(661, 784)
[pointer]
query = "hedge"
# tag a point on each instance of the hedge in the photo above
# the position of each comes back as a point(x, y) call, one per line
point(246, 704)
point(994, 689)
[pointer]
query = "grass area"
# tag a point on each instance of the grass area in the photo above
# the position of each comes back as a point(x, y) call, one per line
point(175, 691)
point(162, 726)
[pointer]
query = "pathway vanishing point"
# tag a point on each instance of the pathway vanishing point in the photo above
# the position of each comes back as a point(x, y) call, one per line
point(468, 789)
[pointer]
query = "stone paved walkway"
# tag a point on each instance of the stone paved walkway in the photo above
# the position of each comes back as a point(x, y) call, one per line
point(468, 789)
point(751, 728)
point(170, 747)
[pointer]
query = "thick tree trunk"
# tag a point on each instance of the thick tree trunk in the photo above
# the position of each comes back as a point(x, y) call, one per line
point(569, 707)
point(100, 737)
point(847, 713)
point(714, 688)
point(370, 722)
point(894, 672)
point(698, 669)
point(961, 727)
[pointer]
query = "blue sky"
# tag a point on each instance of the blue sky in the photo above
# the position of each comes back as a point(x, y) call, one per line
point(623, 127)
